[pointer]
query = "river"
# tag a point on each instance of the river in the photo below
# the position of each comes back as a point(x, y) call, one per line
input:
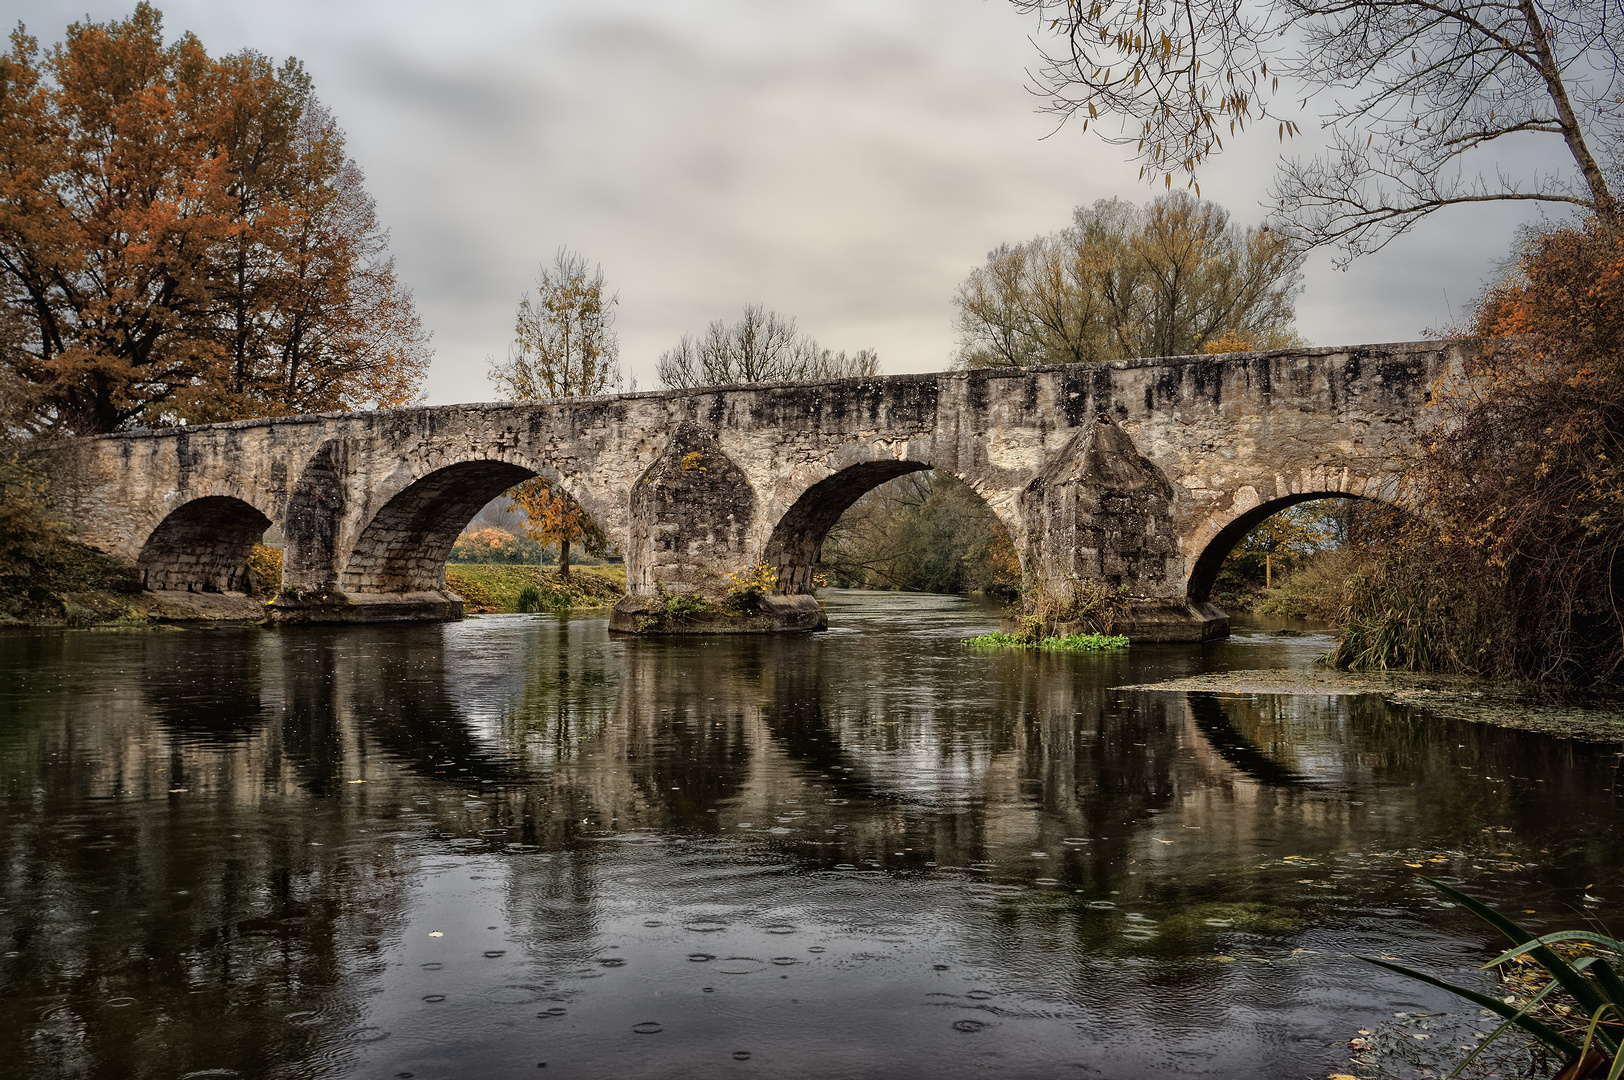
point(520, 846)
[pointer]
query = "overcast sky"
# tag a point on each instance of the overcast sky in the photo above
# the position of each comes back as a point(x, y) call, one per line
point(846, 163)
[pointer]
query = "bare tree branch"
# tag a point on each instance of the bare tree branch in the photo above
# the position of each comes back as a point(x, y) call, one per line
point(1412, 89)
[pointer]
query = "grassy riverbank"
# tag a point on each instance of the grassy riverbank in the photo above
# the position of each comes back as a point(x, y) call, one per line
point(74, 585)
point(493, 587)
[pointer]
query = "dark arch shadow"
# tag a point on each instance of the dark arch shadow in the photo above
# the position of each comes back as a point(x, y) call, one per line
point(1218, 548)
point(203, 546)
point(797, 541)
point(1234, 747)
point(405, 545)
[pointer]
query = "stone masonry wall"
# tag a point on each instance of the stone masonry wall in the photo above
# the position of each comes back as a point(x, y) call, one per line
point(1124, 471)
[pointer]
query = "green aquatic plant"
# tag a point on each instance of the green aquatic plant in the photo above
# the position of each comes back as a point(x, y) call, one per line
point(1067, 643)
point(1592, 1018)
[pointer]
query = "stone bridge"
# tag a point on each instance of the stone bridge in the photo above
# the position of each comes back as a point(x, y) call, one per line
point(1140, 474)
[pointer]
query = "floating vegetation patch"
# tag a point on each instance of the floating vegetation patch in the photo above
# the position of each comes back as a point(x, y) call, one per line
point(1067, 643)
point(1205, 920)
point(1512, 705)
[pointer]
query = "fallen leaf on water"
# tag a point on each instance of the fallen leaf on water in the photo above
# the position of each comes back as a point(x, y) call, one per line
point(1224, 959)
point(435, 933)
point(357, 781)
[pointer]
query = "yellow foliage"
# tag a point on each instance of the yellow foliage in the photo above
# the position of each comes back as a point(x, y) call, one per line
point(265, 569)
point(1230, 341)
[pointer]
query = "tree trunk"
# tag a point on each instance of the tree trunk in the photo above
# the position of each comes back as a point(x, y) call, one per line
point(1550, 69)
point(1268, 570)
point(564, 559)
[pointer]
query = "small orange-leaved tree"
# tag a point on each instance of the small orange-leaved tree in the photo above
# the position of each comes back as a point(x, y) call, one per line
point(552, 517)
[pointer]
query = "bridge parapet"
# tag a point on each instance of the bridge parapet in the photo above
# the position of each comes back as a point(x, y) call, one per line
point(1135, 474)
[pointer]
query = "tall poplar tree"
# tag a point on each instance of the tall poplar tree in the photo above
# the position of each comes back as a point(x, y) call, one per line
point(564, 346)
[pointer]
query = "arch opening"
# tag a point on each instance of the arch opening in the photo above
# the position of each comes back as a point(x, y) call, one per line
point(890, 525)
point(404, 547)
point(1210, 563)
point(202, 546)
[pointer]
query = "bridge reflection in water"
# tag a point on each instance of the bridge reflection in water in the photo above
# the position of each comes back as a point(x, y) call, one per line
point(463, 849)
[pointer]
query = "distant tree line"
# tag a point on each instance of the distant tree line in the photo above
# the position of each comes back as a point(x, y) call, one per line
point(761, 346)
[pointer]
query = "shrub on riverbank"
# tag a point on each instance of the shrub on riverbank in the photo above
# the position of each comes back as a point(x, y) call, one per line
point(493, 587)
point(45, 575)
point(264, 571)
point(1515, 566)
point(1317, 591)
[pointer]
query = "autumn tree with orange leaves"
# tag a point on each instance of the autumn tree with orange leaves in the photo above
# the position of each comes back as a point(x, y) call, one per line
point(1521, 488)
point(183, 239)
point(552, 517)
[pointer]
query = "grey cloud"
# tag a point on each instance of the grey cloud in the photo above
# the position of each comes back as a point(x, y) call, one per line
point(847, 163)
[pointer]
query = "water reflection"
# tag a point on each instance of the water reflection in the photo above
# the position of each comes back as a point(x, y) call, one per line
point(467, 849)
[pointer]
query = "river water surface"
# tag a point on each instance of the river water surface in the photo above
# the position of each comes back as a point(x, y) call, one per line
point(516, 843)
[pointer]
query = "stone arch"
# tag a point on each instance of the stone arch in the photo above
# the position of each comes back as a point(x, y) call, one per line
point(404, 546)
point(793, 548)
point(1204, 572)
point(203, 546)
